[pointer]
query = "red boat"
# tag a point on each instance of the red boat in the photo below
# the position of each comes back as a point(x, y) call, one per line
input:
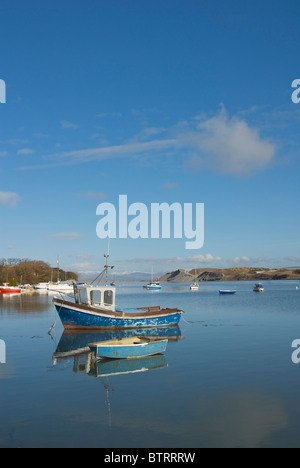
point(6, 289)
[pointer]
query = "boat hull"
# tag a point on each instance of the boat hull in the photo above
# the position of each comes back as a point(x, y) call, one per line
point(9, 290)
point(76, 316)
point(128, 348)
point(224, 292)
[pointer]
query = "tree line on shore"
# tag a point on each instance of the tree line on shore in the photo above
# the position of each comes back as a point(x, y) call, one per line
point(16, 270)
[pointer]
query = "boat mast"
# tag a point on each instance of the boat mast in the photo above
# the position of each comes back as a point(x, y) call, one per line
point(57, 268)
point(106, 267)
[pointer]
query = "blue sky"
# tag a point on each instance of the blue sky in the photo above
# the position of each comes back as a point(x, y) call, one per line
point(164, 101)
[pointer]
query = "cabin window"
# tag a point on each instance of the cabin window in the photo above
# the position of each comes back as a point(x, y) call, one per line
point(83, 296)
point(108, 297)
point(96, 298)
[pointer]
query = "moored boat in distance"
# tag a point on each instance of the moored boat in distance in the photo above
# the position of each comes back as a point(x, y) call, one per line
point(258, 287)
point(61, 286)
point(41, 286)
point(227, 291)
point(195, 285)
point(129, 348)
point(153, 285)
point(6, 289)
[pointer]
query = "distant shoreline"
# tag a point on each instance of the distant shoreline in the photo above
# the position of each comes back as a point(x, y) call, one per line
point(230, 274)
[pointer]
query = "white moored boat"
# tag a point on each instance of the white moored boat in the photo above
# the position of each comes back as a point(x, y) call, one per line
point(195, 285)
point(61, 286)
point(153, 285)
point(41, 286)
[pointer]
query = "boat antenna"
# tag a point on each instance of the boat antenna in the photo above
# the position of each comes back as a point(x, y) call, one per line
point(106, 267)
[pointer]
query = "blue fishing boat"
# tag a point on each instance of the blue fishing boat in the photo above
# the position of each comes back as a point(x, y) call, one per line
point(129, 348)
point(94, 308)
point(227, 292)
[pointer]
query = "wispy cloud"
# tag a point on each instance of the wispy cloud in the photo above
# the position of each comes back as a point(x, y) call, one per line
point(42, 135)
point(93, 195)
point(68, 125)
point(170, 186)
point(223, 144)
point(9, 199)
point(25, 151)
point(104, 115)
point(118, 151)
point(66, 235)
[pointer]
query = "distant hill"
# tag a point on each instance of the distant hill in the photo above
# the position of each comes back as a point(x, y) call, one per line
point(231, 274)
point(135, 276)
point(14, 270)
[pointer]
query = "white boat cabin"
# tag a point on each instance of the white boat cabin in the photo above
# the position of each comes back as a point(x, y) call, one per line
point(103, 297)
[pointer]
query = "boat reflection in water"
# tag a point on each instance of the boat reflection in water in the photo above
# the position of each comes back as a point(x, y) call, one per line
point(75, 344)
point(109, 367)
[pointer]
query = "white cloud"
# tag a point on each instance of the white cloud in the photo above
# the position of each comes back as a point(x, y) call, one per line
point(9, 199)
point(84, 256)
point(230, 146)
point(152, 260)
point(84, 269)
point(292, 259)
point(243, 259)
point(207, 259)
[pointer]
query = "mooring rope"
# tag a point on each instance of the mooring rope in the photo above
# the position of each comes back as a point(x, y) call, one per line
point(192, 322)
point(56, 314)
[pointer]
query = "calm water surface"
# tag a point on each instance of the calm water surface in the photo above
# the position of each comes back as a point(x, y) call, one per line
point(226, 380)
